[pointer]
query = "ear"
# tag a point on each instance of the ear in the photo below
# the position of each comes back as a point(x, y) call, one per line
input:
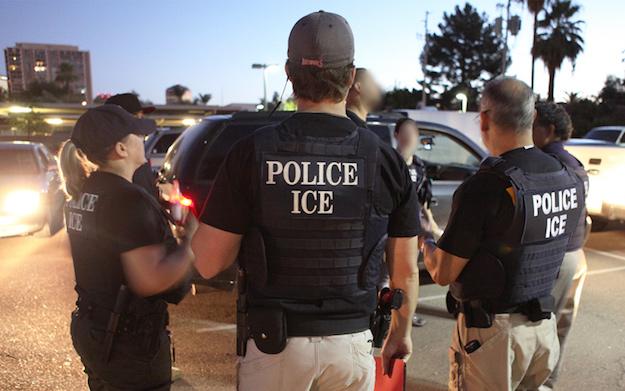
point(286, 70)
point(352, 77)
point(120, 150)
point(484, 121)
point(551, 132)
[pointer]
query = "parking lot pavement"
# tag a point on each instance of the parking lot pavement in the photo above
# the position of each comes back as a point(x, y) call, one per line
point(36, 292)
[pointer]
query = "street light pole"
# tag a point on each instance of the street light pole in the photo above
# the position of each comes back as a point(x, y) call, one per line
point(464, 99)
point(264, 67)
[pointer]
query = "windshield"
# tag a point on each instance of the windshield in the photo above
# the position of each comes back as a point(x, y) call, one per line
point(610, 135)
point(18, 161)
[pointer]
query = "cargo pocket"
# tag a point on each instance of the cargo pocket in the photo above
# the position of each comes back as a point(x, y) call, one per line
point(487, 366)
point(362, 348)
point(258, 370)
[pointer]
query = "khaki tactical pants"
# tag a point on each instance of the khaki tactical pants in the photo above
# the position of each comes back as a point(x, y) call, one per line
point(515, 354)
point(567, 292)
point(337, 362)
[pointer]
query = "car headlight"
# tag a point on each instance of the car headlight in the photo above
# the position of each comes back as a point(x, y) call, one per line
point(21, 202)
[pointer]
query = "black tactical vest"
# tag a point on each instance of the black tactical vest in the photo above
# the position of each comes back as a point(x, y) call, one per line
point(524, 262)
point(317, 234)
point(578, 237)
point(97, 283)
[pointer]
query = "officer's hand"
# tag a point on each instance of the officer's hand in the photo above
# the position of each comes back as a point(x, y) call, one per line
point(185, 232)
point(396, 347)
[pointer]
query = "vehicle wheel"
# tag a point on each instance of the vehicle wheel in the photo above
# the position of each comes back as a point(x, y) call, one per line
point(44, 232)
point(599, 224)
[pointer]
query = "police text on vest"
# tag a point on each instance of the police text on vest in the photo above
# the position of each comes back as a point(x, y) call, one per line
point(86, 203)
point(555, 202)
point(294, 173)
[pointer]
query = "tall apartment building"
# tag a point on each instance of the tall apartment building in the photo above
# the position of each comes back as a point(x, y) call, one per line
point(28, 62)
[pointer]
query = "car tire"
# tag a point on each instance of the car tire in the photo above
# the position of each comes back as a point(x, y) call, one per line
point(54, 222)
point(44, 232)
point(599, 224)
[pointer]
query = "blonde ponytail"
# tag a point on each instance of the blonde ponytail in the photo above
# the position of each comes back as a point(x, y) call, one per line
point(75, 168)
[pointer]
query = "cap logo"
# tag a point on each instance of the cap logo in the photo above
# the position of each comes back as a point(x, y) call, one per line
point(311, 62)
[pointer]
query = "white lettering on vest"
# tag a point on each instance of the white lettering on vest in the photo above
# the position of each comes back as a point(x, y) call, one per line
point(303, 173)
point(549, 203)
point(74, 221)
point(556, 226)
point(321, 202)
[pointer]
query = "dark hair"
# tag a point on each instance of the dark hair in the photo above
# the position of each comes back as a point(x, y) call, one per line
point(402, 121)
point(318, 84)
point(549, 113)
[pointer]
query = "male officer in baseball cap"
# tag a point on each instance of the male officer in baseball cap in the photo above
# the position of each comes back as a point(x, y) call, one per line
point(309, 203)
point(143, 177)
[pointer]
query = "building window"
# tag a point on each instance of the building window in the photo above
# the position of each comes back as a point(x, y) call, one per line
point(40, 66)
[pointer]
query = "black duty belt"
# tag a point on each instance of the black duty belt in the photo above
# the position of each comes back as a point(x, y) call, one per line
point(128, 323)
point(314, 326)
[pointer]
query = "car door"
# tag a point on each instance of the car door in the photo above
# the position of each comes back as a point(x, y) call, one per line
point(449, 162)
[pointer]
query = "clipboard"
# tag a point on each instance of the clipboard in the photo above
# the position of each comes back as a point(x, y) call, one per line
point(397, 380)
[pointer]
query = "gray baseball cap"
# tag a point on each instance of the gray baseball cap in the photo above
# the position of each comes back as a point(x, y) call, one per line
point(321, 39)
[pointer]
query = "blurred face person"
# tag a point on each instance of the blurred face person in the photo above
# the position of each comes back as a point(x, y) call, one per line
point(407, 136)
point(365, 95)
point(369, 90)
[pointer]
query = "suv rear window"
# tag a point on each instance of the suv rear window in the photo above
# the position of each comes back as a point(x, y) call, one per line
point(216, 153)
point(164, 142)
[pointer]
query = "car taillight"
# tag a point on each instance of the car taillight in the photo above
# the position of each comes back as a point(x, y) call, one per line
point(185, 201)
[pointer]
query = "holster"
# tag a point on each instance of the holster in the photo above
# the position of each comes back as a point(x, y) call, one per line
point(267, 326)
point(475, 315)
point(539, 309)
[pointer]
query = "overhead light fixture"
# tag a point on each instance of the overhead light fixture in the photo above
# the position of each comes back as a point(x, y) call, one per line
point(54, 121)
point(20, 109)
point(189, 121)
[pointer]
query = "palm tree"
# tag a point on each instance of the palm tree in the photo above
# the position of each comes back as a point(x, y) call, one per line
point(559, 38)
point(535, 6)
point(202, 98)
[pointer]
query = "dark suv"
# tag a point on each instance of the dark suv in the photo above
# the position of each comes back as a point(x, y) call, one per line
point(195, 157)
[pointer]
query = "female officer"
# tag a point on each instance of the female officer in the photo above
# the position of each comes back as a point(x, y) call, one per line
point(126, 260)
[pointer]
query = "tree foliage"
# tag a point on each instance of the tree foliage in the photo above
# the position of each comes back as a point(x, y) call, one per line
point(402, 98)
point(559, 38)
point(202, 99)
point(607, 109)
point(466, 51)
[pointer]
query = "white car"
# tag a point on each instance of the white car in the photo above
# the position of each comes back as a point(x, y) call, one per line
point(605, 164)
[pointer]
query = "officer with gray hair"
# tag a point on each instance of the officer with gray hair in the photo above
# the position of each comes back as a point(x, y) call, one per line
point(502, 248)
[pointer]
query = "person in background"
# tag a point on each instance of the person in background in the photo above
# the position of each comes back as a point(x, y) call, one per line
point(552, 127)
point(364, 96)
point(407, 136)
point(126, 260)
point(144, 176)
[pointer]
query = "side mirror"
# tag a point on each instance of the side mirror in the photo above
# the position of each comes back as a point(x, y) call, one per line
point(427, 142)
